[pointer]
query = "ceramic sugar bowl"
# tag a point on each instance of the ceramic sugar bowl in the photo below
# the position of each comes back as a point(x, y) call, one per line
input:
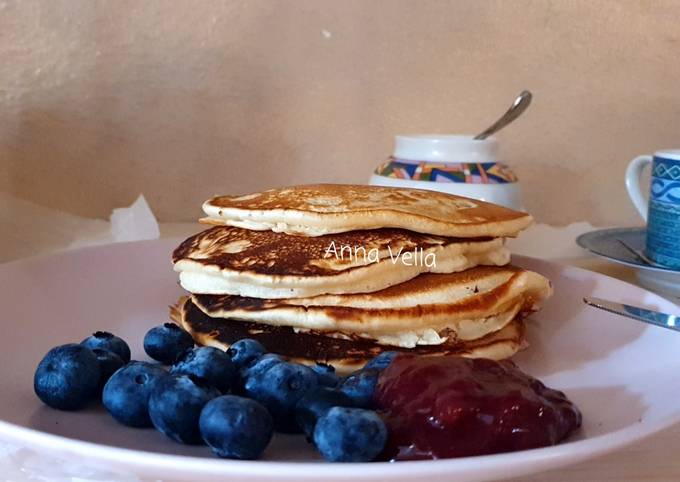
point(453, 164)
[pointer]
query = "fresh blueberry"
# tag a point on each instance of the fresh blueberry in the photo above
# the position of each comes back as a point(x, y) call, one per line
point(209, 363)
point(382, 361)
point(175, 406)
point(126, 394)
point(245, 351)
point(350, 435)
point(236, 427)
point(167, 342)
point(257, 367)
point(279, 388)
point(109, 363)
point(67, 377)
point(326, 375)
point(104, 340)
point(314, 404)
point(360, 385)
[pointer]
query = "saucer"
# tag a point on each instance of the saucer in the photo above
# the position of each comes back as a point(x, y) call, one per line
point(611, 244)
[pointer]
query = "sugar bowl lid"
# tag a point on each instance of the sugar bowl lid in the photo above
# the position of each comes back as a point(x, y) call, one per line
point(445, 148)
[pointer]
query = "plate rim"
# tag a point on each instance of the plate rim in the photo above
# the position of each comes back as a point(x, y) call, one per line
point(533, 460)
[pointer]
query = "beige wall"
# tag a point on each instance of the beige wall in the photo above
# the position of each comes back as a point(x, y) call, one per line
point(101, 100)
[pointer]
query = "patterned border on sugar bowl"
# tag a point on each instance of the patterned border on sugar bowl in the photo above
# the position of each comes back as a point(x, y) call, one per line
point(458, 172)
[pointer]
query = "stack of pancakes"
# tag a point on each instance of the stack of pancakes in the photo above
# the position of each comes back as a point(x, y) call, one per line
point(339, 273)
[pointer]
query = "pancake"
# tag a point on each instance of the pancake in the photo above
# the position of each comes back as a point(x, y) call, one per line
point(266, 264)
point(344, 354)
point(422, 311)
point(320, 209)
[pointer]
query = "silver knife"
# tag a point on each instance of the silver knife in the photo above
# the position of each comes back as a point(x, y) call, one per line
point(672, 322)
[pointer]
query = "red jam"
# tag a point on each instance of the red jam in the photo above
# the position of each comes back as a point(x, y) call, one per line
point(449, 406)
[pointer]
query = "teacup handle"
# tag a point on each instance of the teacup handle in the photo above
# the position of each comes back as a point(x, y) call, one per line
point(633, 174)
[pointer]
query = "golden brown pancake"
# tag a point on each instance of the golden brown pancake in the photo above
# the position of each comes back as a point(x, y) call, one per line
point(319, 209)
point(344, 353)
point(265, 264)
point(467, 305)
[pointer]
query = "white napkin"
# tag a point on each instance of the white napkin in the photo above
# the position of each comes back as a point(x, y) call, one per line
point(134, 223)
point(29, 229)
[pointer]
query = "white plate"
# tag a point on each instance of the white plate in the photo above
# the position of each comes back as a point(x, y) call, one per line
point(621, 373)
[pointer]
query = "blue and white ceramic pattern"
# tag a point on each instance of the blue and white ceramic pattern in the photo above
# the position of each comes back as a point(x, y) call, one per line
point(458, 165)
point(662, 212)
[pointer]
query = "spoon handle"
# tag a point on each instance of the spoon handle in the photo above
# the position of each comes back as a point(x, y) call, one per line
point(520, 105)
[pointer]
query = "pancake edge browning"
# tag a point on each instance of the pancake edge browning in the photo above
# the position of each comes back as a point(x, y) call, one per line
point(469, 317)
point(485, 219)
point(206, 278)
point(345, 355)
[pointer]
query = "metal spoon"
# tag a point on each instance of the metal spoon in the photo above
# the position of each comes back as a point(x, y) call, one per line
point(640, 255)
point(520, 105)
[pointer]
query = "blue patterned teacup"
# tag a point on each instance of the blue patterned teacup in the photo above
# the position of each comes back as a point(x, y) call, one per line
point(662, 212)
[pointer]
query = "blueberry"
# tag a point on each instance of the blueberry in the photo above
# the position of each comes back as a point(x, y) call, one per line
point(258, 366)
point(209, 363)
point(382, 361)
point(126, 394)
point(314, 404)
point(350, 435)
point(107, 341)
point(67, 377)
point(245, 351)
point(326, 375)
point(360, 385)
point(109, 363)
point(236, 427)
point(167, 342)
point(279, 388)
point(175, 406)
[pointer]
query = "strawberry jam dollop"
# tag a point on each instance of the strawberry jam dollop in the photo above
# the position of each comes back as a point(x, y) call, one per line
point(449, 406)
